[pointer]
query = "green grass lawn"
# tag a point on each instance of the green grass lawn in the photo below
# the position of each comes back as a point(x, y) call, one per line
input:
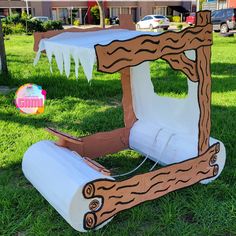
point(80, 108)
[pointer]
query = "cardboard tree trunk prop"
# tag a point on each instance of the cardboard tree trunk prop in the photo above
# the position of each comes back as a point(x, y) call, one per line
point(172, 132)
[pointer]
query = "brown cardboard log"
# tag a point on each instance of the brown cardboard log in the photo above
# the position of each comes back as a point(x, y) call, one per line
point(182, 63)
point(120, 54)
point(95, 145)
point(129, 116)
point(118, 196)
point(204, 87)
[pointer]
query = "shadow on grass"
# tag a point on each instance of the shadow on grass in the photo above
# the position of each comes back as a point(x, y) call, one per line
point(58, 87)
point(107, 120)
point(165, 80)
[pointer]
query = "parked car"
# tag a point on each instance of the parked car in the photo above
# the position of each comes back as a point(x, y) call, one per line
point(191, 18)
point(153, 22)
point(114, 20)
point(224, 20)
point(40, 18)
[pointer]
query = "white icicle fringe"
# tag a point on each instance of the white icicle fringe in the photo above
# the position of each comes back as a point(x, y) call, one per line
point(83, 56)
point(76, 60)
point(66, 58)
point(38, 54)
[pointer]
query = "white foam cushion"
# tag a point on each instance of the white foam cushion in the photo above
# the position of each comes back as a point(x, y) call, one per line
point(162, 144)
point(60, 175)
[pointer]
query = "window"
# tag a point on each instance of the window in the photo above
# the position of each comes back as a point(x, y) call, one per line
point(125, 10)
point(115, 11)
point(222, 4)
point(159, 10)
point(63, 13)
point(159, 17)
point(54, 13)
point(76, 13)
point(16, 10)
point(229, 13)
point(218, 14)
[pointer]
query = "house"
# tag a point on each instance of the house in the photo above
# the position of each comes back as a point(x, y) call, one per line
point(226, 4)
point(62, 10)
point(218, 4)
point(7, 7)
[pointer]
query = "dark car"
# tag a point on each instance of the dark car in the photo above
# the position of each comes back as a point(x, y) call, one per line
point(224, 20)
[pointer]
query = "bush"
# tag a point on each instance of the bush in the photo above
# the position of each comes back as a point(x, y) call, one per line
point(52, 25)
point(15, 25)
point(24, 15)
point(170, 18)
point(180, 26)
point(18, 28)
point(107, 21)
point(24, 18)
point(57, 25)
point(47, 25)
point(6, 28)
point(176, 19)
point(76, 22)
point(14, 18)
point(35, 26)
point(95, 13)
point(4, 20)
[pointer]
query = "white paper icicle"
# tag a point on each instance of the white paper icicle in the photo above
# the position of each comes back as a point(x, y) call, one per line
point(66, 58)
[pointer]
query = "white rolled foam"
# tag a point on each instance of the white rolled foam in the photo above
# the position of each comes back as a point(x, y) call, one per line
point(60, 175)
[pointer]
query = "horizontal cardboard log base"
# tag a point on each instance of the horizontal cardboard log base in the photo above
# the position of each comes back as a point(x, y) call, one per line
point(118, 196)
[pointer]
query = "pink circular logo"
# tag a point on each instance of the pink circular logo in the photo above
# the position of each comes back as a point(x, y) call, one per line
point(30, 99)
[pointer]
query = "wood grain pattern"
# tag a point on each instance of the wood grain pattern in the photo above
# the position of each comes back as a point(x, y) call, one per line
point(182, 63)
point(120, 54)
point(204, 88)
point(119, 196)
point(129, 116)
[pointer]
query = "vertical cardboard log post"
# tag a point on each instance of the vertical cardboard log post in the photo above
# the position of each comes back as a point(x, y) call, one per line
point(129, 116)
point(204, 87)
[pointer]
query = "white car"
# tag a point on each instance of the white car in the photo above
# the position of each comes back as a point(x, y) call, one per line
point(153, 22)
point(40, 18)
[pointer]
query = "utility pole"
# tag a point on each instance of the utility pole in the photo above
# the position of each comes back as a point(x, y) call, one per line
point(27, 7)
point(198, 5)
point(3, 59)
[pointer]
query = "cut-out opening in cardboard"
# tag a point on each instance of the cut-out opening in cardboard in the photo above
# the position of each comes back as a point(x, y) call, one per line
point(168, 82)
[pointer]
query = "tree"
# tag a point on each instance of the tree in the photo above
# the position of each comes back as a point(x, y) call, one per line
point(101, 12)
point(96, 14)
point(3, 59)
